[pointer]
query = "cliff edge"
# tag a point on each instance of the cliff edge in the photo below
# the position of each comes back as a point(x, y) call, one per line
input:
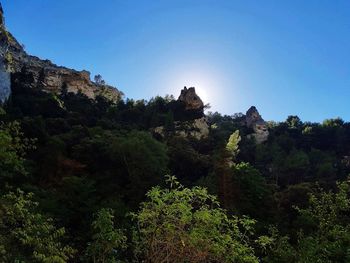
point(46, 75)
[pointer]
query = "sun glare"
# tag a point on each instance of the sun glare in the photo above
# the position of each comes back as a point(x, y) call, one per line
point(203, 83)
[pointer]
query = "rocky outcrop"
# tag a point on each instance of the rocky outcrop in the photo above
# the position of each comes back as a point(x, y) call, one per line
point(254, 121)
point(46, 75)
point(253, 117)
point(198, 129)
point(195, 124)
point(5, 81)
point(191, 100)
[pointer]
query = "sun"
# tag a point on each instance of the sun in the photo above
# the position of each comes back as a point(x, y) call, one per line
point(202, 85)
point(208, 82)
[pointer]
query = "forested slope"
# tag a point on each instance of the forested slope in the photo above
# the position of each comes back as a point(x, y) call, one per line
point(88, 176)
point(87, 165)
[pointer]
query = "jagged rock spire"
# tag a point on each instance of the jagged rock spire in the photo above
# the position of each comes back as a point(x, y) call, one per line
point(257, 123)
point(253, 117)
point(191, 99)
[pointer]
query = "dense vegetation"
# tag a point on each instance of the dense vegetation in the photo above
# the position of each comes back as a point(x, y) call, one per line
point(85, 181)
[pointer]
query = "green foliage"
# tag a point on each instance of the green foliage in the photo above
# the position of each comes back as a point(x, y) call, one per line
point(295, 165)
point(280, 250)
point(232, 145)
point(169, 122)
point(187, 225)
point(330, 239)
point(125, 163)
point(182, 155)
point(337, 122)
point(13, 147)
point(251, 192)
point(107, 242)
point(28, 236)
point(100, 153)
point(294, 122)
point(326, 237)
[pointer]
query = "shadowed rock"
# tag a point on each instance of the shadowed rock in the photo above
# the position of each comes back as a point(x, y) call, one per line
point(195, 124)
point(191, 99)
point(253, 117)
point(254, 120)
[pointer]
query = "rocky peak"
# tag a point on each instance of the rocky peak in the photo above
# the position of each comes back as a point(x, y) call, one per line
point(253, 117)
point(191, 99)
point(46, 75)
point(195, 125)
point(254, 120)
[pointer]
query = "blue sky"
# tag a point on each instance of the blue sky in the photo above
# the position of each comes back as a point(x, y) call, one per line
point(284, 57)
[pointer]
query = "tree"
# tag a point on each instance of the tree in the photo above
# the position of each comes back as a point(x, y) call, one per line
point(295, 167)
point(99, 80)
point(13, 147)
point(28, 236)
point(329, 237)
point(107, 241)
point(294, 122)
point(223, 162)
point(184, 157)
point(169, 124)
point(251, 192)
point(232, 144)
point(180, 224)
point(129, 164)
point(337, 122)
point(280, 250)
point(325, 235)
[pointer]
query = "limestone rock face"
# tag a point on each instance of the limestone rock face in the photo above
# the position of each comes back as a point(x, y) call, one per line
point(254, 120)
point(46, 75)
point(5, 81)
point(198, 129)
point(253, 117)
point(196, 124)
point(191, 99)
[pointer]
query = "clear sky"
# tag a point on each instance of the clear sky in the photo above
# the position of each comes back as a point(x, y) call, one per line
point(284, 57)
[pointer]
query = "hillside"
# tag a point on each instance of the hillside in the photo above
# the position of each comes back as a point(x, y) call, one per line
point(89, 176)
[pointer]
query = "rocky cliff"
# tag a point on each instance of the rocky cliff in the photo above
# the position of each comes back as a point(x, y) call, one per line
point(46, 75)
point(5, 83)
